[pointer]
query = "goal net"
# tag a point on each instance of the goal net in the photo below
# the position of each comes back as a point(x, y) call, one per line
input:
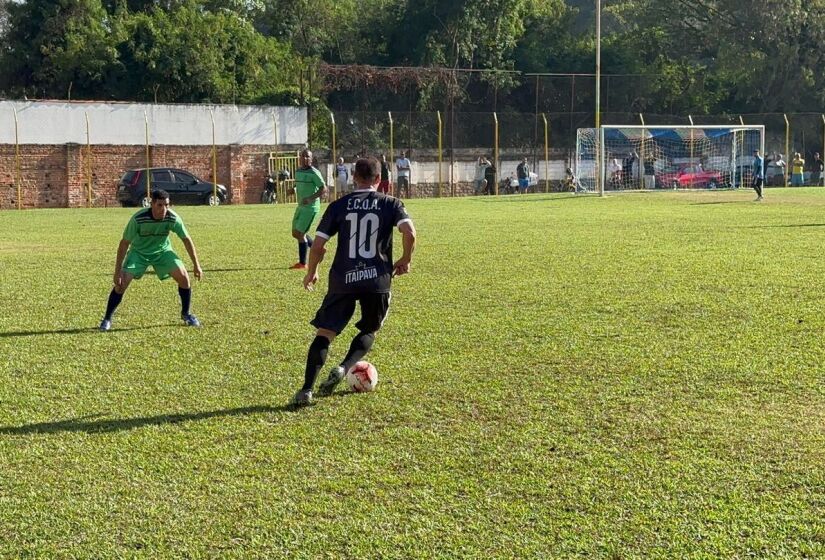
point(615, 158)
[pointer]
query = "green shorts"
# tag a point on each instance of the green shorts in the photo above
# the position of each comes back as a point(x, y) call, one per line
point(304, 215)
point(163, 263)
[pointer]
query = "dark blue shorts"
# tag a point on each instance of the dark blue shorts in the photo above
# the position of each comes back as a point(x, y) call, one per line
point(337, 309)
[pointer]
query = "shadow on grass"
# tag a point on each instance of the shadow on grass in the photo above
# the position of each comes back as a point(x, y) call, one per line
point(95, 424)
point(784, 226)
point(548, 197)
point(240, 269)
point(211, 270)
point(81, 331)
point(721, 202)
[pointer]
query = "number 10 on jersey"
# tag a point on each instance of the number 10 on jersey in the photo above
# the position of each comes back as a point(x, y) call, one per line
point(363, 235)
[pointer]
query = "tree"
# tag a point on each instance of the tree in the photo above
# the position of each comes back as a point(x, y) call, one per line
point(52, 45)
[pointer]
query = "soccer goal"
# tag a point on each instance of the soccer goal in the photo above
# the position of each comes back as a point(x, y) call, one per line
point(616, 157)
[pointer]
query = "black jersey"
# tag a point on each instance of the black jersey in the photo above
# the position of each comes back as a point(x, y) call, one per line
point(365, 220)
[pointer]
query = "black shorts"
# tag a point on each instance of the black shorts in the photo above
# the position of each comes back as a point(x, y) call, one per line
point(337, 309)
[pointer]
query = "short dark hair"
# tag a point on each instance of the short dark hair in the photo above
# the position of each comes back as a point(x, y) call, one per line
point(159, 194)
point(367, 168)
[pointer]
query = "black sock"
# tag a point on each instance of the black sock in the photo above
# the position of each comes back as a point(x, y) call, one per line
point(309, 240)
point(185, 299)
point(114, 300)
point(316, 357)
point(302, 252)
point(358, 348)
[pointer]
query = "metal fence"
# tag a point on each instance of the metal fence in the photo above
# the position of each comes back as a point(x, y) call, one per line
point(469, 134)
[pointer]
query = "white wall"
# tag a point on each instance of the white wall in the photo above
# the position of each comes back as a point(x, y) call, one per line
point(58, 122)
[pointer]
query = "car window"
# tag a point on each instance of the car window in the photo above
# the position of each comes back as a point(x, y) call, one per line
point(160, 176)
point(127, 177)
point(181, 177)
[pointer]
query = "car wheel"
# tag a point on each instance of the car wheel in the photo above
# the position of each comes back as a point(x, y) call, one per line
point(712, 184)
point(675, 185)
point(146, 202)
point(213, 200)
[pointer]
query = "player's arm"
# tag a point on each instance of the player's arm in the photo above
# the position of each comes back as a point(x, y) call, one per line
point(322, 190)
point(193, 254)
point(121, 254)
point(316, 255)
point(402, 265)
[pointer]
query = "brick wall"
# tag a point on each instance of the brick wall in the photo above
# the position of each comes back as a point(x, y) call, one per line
point(57, 176)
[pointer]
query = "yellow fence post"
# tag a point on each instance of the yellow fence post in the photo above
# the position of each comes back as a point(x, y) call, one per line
point(334, 159)
point(495, 152)
point(214, 200)
point(440, 194)
point(546, 154)
point(88, 159)
point(148, 162)
point(17, 164)
point(392, 152)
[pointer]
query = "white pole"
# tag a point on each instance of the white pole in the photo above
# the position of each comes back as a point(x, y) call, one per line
point(599, 137)
point(733, 160)
point(600, 161)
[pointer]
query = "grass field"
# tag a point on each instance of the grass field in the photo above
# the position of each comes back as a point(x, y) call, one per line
point(634, 376)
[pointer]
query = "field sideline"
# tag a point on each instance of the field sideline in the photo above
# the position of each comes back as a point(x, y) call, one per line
point(631, 376)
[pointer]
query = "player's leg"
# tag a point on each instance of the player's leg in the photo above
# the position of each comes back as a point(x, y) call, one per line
point(374, 309)
point(301, 222)
point(757, 186)
point(331, 318)
point(115, 297)
point(133, 268)
point(180, 276)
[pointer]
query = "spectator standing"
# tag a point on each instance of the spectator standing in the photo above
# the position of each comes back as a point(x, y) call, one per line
point(523, 174)
point(480, 181)
point(781, 166)
point(490, 177)
point(341, 177)
point(627, 169)
point(758, 174)
point(384, 185)
point(614, 168)
point(816, 170)
point(797, 170)
point(650, 171)
point(402, 166)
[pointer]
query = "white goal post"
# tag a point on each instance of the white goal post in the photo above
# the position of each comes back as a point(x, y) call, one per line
point(639, 157)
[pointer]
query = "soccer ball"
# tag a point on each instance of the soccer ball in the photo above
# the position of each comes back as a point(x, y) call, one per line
point(362, 377)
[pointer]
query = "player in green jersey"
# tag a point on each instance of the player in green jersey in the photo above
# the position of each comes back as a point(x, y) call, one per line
point(146, 239)
point(309, 188)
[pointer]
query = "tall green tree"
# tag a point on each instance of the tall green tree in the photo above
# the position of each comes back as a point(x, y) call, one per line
point(51, 45)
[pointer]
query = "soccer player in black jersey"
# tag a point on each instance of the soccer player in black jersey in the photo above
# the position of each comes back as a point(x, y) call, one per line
point(361, 272)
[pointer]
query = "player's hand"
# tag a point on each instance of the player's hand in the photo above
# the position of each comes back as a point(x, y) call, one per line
point(306, 201)
point(309, 281)
point(198, 272)
point(402, 266)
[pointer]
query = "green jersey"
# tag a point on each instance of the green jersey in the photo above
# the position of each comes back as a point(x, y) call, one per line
point(308, 181)
point(150, 237)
